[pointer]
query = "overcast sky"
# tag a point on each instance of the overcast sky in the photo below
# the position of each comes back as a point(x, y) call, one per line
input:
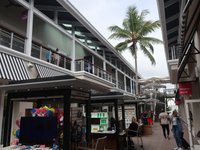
point(104, 13)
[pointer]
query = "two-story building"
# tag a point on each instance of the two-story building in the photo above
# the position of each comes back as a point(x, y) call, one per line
point(45, 40)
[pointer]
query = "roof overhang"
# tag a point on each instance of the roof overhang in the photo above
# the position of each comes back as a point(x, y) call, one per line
point(53, 82)
point(190, 21)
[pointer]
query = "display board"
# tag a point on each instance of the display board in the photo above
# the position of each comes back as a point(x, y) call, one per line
point(130, 111)
point(99, 121)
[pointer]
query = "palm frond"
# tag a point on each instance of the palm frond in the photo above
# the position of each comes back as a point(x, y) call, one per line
point(143, 14)
point(148, 54)
point(151, 47)
point(149, 27)
point(151, 40)
point(118, 33)
point(122, 45)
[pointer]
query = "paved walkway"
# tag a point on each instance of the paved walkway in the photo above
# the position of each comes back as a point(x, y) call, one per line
point(156, 141)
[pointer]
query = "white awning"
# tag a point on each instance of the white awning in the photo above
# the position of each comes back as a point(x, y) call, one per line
point(12, 68)
point(45, 72)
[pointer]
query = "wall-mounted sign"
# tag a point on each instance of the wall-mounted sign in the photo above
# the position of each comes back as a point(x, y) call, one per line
point(185, 88)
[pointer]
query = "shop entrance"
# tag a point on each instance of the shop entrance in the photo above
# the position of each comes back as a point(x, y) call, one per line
point(49, 116)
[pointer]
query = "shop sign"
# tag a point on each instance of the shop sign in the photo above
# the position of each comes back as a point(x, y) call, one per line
point(185, 88)
point(177, 101)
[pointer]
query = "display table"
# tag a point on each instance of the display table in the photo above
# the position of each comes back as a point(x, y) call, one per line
point(14, 147)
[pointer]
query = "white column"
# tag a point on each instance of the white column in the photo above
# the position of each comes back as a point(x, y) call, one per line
point(73, 50)
point(131, 82)
point(104, 62)
point(116, 77)
point(29, 30)
point(93, 64)
point(125, 86)
point(95, 48)
point(116, 74)
point(86, 41)
point(56, 17)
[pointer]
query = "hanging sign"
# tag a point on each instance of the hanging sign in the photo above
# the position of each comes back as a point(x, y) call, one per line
point(185, 88)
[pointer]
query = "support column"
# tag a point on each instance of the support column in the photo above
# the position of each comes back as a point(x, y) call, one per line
point(88, 120)
point(131, 82)
point(29, 29)
point(116, 76)
point(93, 65)
point(1, 113)
point(8, 120)
point(66, 121)
point(125, 86)
point(56, 17)
point(104, 62)
point(117, 122)
point(123, 117)
point(73, 51)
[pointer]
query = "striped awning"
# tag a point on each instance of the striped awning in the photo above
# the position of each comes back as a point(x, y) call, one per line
point(45, 72)
point(12, 68)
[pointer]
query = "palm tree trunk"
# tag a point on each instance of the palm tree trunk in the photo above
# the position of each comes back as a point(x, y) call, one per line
point(136, 75)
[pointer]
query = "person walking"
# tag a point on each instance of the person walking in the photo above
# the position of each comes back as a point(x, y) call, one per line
point(164, 122)
point(177, 129)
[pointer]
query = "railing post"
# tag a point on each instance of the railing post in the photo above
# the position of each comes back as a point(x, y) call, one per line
point(125, 86)
point(11, 40)
point(65, 61)
point(82, 65)
point(41, 52)
point(131, 82)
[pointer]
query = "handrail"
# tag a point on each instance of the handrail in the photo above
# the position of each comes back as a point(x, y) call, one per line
point(84, 65)
point(82, 59)
point(8, 30)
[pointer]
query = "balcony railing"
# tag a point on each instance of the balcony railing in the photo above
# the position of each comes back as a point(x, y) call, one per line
point(83, 65)
point(121, 85)
point(16, 42)
point(174, 52)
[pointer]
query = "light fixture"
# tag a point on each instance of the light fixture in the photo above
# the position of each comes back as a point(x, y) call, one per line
point(30, 65)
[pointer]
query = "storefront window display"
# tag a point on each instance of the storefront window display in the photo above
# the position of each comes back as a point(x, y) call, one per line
point(51, 122)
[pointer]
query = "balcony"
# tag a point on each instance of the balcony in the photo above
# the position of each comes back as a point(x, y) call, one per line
point(14, 41)
point(83, 65)
point(17, 42)
point(174, 54)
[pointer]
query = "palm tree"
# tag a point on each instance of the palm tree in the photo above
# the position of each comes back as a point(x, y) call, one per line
point(134, 35)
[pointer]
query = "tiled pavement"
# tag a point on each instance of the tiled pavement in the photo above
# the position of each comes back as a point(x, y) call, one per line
point(156, 141)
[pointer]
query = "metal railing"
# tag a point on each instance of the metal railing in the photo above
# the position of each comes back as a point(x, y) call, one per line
point(83, 65)
point(174, 52)
point(17, 42)
point(121, 85)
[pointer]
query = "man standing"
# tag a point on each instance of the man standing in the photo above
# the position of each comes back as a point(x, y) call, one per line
point(164, 122)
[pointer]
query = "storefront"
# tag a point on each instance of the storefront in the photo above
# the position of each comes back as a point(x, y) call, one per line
point(108, 119)
point(46, 114)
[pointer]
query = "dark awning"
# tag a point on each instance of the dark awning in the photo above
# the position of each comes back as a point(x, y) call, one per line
point(12, 68)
